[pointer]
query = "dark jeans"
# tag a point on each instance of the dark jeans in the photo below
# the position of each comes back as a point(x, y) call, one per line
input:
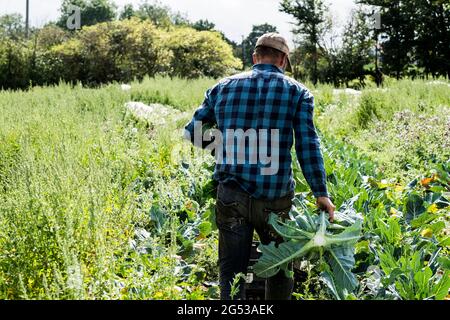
point(238, 216)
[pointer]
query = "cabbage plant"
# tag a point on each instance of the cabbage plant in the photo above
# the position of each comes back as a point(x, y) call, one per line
point(313, 237)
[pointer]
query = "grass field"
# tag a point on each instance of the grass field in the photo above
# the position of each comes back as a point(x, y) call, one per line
point(95, 204)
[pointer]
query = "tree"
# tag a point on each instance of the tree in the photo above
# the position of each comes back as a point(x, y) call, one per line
point(180, 19)
point(203, 25)
point(398, 25)
point(51, 35)
point(12, 26)
point(158, 14)
point(200, 54)
point(127, 12)
point(311, 24)
point(14, 64)
point(357, 47)
point(92, 11)
point(249, 43)
point(432, 42)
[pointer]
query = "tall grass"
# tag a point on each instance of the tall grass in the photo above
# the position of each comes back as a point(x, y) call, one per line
point(404, 127)
point(183, 94)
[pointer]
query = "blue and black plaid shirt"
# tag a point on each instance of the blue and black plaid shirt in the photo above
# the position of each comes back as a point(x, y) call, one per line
point(265, 99)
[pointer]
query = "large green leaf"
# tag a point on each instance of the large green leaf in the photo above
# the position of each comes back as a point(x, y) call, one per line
point(342, 261)
point(444, 262)
point(327, 278)
point(275, 258)
point(422, 281)
point(338, 248)
point(289, 229)
point(303, 221)
point(442, 287)
point(158, 217)
point(414, 207)
point(423, 219)
point(348, 237)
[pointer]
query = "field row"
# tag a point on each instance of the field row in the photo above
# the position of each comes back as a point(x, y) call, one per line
point(98, 205)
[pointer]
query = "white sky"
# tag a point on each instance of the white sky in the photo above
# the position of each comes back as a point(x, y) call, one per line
point(234, 17)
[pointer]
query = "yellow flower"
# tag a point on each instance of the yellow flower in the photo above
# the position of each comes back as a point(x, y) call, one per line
point(159, 295)
point(427, 233)
point(395, 213)
point(433, 208)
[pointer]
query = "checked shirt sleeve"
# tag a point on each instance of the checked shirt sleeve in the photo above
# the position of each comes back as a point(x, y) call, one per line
point(307, 146)
point(204, 118)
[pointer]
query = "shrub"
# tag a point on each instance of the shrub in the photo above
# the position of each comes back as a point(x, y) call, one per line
point(148, 55)
point(50, 36)
point(368, 109)
point(114, 51)
point(14, 64)
point(197, 54)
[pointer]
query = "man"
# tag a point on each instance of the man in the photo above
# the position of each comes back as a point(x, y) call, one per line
point(256, 103)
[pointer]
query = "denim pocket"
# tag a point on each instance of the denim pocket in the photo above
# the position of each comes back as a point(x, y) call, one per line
point(230, 214)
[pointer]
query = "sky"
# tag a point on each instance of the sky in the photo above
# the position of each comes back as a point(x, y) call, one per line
point(234, 17)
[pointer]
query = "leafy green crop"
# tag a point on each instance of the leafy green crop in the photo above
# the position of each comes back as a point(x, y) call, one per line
point(312, 236)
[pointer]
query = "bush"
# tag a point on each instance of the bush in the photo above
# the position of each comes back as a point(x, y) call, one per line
point(50, 36)
point(114, 51)
point(14, 64)
point(368, 110)
point(197, 54)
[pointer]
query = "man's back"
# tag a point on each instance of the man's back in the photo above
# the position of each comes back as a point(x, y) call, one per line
point(258, 113)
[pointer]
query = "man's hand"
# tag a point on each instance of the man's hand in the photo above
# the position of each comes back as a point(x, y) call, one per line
point(325, 204)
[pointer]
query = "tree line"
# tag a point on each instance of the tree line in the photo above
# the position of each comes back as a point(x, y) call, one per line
point(112, 46)
point(410, 39)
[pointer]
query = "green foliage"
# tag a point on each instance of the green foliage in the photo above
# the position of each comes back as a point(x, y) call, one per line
point(92, 11)
point(160, 15)
point(235, 285)
point(356, 51)
point(402, 254)
point(368, 110)
point(249, 43)
point(114, 51)
point(87, 180)
point(416, 34)
point(50, 36)
point(182, 93)
point(76, 220)
point(12, 26)
point(311, 235)
point(96, 204)
point(127, 12)
point(405, 230)
point(197, 54)
point(311, 24)
point(408, 31)
point(203, 25)
point(401, 127)
point(14, 64)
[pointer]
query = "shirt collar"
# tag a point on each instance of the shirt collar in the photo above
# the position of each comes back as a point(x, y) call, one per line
point(267, 67)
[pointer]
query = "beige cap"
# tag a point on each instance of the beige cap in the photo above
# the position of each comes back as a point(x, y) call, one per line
point(275, 41)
